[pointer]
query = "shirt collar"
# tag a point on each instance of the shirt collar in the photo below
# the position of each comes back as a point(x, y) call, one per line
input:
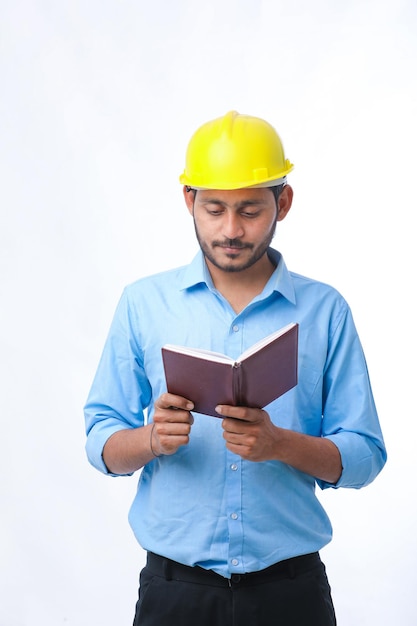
point(197, 272)
point(281, 280)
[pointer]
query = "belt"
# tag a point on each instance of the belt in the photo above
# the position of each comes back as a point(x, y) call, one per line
point(290, 568)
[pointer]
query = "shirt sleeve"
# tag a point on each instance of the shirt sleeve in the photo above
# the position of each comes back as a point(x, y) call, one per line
point(350, 417)
point(120, 391)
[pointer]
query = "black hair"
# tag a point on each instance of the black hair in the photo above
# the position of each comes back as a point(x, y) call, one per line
point(276, 190)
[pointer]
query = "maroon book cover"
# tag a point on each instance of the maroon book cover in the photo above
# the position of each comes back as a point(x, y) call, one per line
point(259, 376)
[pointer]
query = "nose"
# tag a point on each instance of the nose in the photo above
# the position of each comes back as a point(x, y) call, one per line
point(232, 226)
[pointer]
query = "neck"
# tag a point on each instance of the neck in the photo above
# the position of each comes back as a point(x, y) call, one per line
point(239, 288)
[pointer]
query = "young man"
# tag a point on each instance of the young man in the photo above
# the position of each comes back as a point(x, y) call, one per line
point(226, 508)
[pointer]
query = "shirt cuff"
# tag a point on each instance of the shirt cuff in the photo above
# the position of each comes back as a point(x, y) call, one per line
point(96, 441)
point(362, 460)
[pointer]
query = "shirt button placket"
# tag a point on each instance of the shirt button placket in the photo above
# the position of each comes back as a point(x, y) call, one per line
point(234, 506)
point(234, 464)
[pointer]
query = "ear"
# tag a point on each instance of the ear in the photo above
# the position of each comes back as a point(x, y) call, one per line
point(189, 197)
point(284, 202)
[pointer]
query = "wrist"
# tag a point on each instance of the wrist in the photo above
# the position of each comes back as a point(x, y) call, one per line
point(281, 444)
point(152, 443)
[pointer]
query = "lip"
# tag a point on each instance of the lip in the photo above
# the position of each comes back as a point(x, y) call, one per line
point(232, 250)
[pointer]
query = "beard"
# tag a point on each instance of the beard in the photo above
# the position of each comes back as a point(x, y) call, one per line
point(257, 251)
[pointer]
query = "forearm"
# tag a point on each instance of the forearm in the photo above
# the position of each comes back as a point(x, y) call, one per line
point(316, 456)
point(252, 435)
point(128, 450)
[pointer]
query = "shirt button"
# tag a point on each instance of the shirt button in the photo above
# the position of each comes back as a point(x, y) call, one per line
point(234, 516)
point(235, 328)
point(233, 467)
point(235, 562)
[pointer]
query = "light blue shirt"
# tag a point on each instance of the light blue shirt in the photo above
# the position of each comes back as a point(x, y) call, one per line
point(204, 505)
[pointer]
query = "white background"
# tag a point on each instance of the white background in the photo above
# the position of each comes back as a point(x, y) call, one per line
point(98, 99)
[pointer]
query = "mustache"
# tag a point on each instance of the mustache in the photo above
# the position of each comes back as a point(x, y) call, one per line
point(232, 243)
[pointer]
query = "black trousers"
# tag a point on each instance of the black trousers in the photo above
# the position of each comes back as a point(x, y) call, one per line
point(291, 593)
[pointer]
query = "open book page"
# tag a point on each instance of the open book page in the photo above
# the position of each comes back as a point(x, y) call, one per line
point(209, 355)
point(218, 357)
point(264, 342)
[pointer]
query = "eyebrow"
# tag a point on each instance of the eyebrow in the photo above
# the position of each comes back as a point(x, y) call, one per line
point(239, 205)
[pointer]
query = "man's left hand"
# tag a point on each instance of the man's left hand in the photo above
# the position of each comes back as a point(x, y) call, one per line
point(249, 432)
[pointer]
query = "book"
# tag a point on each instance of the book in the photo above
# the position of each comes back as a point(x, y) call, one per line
point(261, 374)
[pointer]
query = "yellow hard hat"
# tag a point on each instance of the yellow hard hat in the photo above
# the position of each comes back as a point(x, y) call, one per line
point(233, 152)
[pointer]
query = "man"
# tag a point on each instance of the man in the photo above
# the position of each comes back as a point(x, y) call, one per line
point(226, 508)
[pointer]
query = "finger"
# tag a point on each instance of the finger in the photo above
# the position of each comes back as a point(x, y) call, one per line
point(173, 416)
point(234, 438)
point(171, 436)
point(172, 429)
point(234, 428)
point(237, 412)
point(171, 401)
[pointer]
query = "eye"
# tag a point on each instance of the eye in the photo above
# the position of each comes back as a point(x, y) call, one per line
point(214, 209)
point(250, 214)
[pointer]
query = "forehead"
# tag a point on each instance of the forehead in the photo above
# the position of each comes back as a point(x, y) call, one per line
point(236, 196)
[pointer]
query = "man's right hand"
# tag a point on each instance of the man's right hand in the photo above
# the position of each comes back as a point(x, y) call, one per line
point(130, 449)
point(172, 421)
